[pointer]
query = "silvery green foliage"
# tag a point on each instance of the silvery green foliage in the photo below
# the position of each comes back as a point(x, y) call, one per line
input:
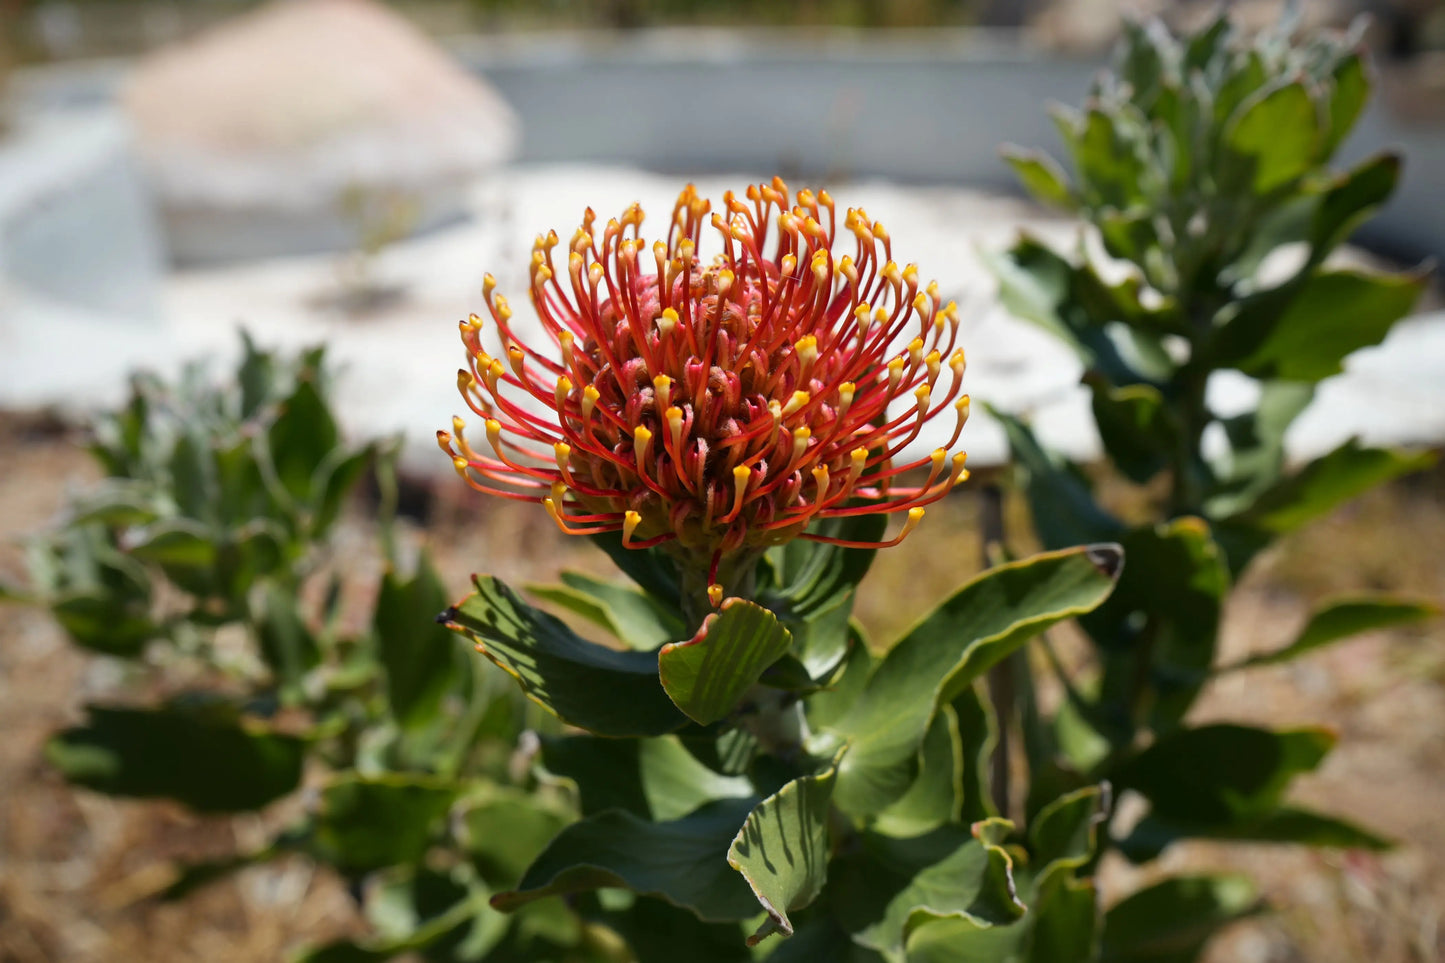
point(1200, 166)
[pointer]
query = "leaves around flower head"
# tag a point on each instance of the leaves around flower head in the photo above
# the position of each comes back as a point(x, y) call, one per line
point(782, 850)
point(975, 628)
point(707, 675)
point(637, 619)
point(1062, 921)
point(199, 752)
point(652, 778)
point(937, 793)
point(650, 568)
point(594, 688)
point(889, 887)
point(681, 861)
point(813, 587)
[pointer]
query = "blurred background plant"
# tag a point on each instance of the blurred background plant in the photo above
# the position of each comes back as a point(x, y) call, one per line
point(204, 559)
point(1200, 163)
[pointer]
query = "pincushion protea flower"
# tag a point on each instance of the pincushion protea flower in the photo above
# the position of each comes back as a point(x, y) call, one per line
point(716, 407)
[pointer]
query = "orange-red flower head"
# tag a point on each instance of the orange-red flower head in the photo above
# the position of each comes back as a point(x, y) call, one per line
point(716, 405)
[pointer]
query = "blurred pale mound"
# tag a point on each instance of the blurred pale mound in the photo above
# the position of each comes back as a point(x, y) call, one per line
point(275, 132)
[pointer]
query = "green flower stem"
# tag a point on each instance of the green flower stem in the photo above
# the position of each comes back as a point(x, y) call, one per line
point(775, 717)
point(737, 574)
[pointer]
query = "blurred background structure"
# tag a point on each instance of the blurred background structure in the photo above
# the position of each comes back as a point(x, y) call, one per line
point(345, 171)
point(322, 169)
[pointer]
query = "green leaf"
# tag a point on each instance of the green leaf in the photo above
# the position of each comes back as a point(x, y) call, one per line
point(594, 688)
point(813, 596)
point(286, 643)
point(193, 485)
point(369, 822)
point(183, 549)
point(707, 675)
point(648, 567)
point(1066, 921)
point(782, 849)
point(1247, 323)
point(1064, 511)
point(655, 779)
point(243, 492)
point(1333, 314)
point(419, 656)
point(1350, 200)
point(1063, 919)
point(117, 502)
point(828, 705)
point(1285, 824)
point(682, 861)
point(1221, 774)
point(200, 752)
point(1277, 134)
point(1106, 151)
point(1065, 831)
point(722, 747)
point(1145, 52)
point(639, 620)
point(1347, 101)
point(978, 731)
point(506, 830)
point(1208, 42)
point(657, 932)
point(301, 438)
point(889, 887)
point(1324, 484)
point(821, 938)
point(979, 625)
point(1138, 429)
point(1256, 457)
point(109, 623)
point(1041, 176)
point(937, 794)
point(1171, 921)
point(335, 478)
point(1038, 285)
point(955, 940)
point(256, 377)
point(1342, 618)
point(1166, 609)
